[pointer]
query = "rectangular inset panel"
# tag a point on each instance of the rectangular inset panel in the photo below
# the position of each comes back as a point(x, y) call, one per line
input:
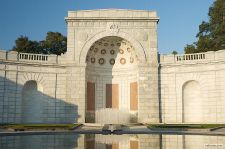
point(133, 96)
point(133, 144)
point(90, 96)
point(115, 146)
point(112, 146)
point(108, 95)
point(112, 96)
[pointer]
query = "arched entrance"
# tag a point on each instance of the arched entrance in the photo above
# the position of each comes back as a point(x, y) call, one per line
point(192, 103)
point(112, 81)
point(32, 103)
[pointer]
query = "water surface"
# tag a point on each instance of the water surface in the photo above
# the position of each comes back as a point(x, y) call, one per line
point(71, 141)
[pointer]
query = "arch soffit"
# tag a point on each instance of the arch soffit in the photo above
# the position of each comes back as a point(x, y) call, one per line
point(137, 45)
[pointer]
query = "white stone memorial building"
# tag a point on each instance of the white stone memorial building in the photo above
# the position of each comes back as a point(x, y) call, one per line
point(112, 73)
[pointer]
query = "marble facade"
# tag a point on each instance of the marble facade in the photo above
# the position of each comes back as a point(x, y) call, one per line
point(112, 61)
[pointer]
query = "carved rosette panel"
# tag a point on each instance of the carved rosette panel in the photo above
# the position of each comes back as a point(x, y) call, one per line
point(112, 51)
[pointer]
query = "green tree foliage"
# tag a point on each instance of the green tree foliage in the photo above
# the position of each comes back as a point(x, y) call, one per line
point(55, 43)
point(190, 48)
point(174, 52)
point(211, 35)
point(23, 44)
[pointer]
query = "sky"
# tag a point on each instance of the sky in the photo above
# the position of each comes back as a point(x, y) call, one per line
point(178, 25)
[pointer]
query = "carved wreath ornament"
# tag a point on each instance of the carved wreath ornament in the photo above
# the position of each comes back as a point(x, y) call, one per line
point(113, 28)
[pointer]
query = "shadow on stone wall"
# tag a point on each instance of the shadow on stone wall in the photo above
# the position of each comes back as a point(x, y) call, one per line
point(18, 105)
point(160, 96)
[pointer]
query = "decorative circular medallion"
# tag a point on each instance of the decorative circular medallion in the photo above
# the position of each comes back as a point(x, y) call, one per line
point(103, 51)
point(112, 45)
point(131, 60)
point(128, 50)
point(123, 61)
point(92, 60)
point(112, 61)
point(112, 52)
point(118, 44)
point(121, 51)
point(96, 50)
point(101, 61)
point(99, 43)
point(106, 44)
point(112, 27)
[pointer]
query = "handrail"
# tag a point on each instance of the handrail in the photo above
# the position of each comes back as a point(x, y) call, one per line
point(33, 57)
point(190, 57)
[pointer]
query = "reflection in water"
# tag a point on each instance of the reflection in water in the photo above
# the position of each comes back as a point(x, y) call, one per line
point(70, 141)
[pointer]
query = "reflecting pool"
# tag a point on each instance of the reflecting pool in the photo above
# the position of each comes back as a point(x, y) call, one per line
point(71, 141)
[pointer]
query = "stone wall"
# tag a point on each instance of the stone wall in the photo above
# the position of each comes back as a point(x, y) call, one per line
point(207, 70)
point(15, 72)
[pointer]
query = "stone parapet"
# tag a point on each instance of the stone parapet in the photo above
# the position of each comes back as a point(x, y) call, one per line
point(31, 58)
point(211, 56)
point(112, 14)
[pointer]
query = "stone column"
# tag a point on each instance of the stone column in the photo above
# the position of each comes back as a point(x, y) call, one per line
point(148, 110)
point(76, 87)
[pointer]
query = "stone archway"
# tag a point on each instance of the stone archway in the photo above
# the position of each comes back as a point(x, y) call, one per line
point(136, 44)
point(112, 81)
point(192, 102)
